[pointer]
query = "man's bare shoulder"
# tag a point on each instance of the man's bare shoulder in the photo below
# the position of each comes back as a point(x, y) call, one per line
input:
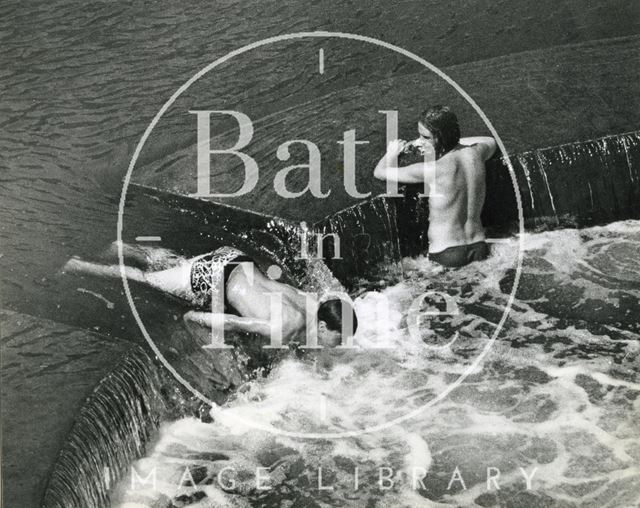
point(483, 146)
point(466, 155)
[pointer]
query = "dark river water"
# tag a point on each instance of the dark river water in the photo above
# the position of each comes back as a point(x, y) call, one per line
point(81, 83)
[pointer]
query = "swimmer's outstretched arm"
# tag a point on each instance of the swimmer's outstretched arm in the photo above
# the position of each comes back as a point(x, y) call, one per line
point(229, 321)
point(76, 265)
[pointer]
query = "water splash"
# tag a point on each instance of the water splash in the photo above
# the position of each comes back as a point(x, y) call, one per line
point(550, 411)
point(522, 160)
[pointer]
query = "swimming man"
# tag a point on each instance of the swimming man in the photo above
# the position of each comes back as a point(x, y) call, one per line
point(245, 293)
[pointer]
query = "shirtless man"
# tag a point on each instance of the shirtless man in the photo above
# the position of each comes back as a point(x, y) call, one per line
point(457, 177)
point(227, 290)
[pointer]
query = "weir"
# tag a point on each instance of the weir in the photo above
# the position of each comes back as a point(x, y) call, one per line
point(577, 184)
point(574, 184)
point(561, 130)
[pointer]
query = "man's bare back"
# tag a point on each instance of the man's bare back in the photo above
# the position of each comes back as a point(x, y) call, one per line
point(250, 298)
point(267, 307)
point(456, 181)
point(456, 204)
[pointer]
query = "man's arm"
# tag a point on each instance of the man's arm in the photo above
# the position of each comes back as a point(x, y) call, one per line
point(77, 265)
point(229, 321)
point(485, 144)
point(388, 170)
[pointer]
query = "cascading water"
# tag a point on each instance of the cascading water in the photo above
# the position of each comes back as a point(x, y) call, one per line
point(375, 234)
point(582, 183)
point(368, 237)
point(111, 430)
point(547, 418)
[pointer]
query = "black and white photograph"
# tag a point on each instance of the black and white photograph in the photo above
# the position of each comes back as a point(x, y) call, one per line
point(314, 254)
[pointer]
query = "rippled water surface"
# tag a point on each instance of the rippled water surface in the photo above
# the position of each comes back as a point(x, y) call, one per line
point(555, 399)
point(81, 83)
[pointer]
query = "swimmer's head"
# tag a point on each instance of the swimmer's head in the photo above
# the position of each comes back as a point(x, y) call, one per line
point(330, 321)
point(438, 125)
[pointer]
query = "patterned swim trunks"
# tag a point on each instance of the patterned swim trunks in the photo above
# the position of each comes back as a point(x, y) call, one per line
point(210, 272)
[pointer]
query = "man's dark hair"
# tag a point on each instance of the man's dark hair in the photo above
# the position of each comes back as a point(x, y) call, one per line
point(443, 124)
point(330, 312)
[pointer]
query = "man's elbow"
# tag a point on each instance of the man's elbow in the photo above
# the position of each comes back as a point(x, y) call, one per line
point(379, 174)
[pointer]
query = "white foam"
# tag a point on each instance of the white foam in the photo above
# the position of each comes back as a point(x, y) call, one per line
point(559, 401)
